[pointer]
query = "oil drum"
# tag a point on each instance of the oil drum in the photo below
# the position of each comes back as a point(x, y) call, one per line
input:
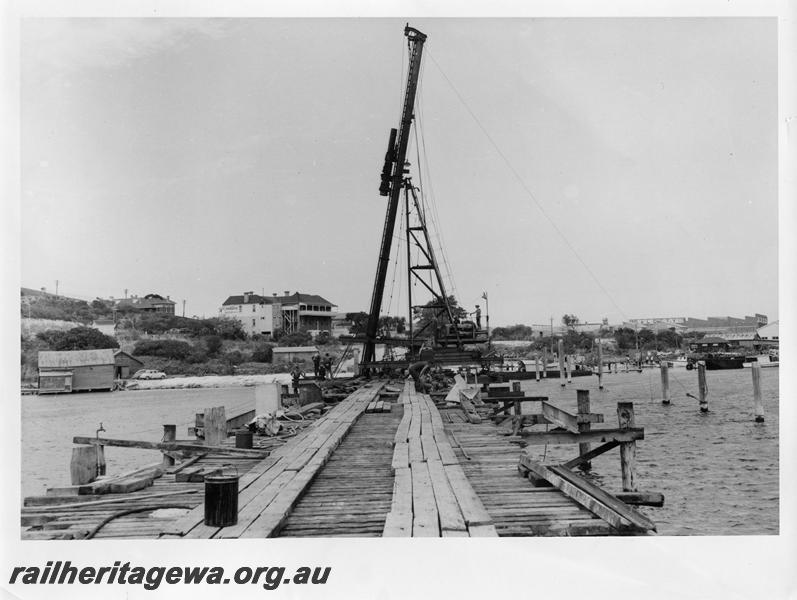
point(221, 500)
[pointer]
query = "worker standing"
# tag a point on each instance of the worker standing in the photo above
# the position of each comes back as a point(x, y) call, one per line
point(328, 364)
point(478, 314)
point(296, 373)
point(316, 363)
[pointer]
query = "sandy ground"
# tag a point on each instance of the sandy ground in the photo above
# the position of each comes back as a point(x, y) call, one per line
point(213, 381)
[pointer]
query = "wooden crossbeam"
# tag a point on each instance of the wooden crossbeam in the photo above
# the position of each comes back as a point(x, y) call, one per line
point(594, 436)
point(595, 500)
point(168, 446)
point(584, 458)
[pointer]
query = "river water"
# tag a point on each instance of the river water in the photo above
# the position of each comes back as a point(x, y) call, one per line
point(718, 470)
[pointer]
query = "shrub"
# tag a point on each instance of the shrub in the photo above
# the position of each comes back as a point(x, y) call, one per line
point(173, 349)
point(213, 343)
point(263, 353)
point(77, 338)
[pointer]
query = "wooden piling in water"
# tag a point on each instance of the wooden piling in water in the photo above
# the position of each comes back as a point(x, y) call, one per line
point(169, 435)
point(215, 425)
point(625, 419)
point(758, 403)
point(665, 384)
point(600, 365)
point(561, 348)
point(702, 386)
point(582, 398)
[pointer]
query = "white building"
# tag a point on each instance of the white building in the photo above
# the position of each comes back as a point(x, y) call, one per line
point(254, 312)
point(289, 313)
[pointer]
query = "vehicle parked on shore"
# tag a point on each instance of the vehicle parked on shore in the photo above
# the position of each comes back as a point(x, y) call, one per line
point(148, 374)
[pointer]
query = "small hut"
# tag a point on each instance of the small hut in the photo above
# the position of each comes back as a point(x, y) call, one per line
point(125, 364)
point(74, 370)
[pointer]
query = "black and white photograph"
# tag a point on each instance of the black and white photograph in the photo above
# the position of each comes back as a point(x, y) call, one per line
point(298, 288)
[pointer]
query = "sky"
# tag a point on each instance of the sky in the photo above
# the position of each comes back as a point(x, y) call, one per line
point(607, 168)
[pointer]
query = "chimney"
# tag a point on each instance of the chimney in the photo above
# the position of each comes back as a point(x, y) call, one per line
point(168, 298)
point(287, 292)
point(275, 294)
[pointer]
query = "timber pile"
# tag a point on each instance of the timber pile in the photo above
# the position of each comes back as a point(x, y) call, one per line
point(270, 490)
point(431, 494)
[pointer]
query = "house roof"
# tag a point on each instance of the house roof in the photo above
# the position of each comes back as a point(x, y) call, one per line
point(289, 349)
point(741, 336)
point(149, 301)
point(75, 358)
point(130, 356)
point(769, 330)
point(297, 298)
point(712, 340)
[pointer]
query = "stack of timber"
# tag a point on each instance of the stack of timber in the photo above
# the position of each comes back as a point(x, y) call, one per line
point(102, 510)
point(269, 491)
point(431, 495)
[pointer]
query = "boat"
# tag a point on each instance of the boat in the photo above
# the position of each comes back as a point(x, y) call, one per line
point(677, 363)
point(721, 362)
point(766, 361)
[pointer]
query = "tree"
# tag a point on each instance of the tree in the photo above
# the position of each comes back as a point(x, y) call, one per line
point(569, 321)
point(77, 338)
point(425, 316)
point(359, 322)
point(388, 324)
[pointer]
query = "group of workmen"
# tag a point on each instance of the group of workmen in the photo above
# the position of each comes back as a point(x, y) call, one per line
point(321, 367)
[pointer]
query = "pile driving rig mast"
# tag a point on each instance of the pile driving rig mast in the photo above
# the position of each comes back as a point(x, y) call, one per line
point(392, 184)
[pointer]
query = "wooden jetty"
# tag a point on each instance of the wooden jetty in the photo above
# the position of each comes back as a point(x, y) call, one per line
point(375, 464)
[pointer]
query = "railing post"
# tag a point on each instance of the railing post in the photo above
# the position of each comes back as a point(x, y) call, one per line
point(625, 420)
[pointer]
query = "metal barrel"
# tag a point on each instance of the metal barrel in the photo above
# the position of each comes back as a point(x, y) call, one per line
point(244, 439)
point(221, 500)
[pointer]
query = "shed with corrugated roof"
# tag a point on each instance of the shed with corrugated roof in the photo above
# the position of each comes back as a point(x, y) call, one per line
point(74, 370)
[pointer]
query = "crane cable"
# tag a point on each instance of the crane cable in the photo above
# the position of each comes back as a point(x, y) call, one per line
point(528, 191)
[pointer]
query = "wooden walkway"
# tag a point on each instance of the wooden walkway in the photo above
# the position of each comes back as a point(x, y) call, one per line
point(517, 508)
point(351, 495)
point(369, 467)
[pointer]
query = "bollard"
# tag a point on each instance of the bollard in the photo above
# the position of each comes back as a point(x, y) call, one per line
point(665, 384)
point(758, 403)
point(702, 387)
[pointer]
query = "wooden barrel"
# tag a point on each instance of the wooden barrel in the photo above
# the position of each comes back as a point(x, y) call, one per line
point(221, 500)
point(243, 439)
